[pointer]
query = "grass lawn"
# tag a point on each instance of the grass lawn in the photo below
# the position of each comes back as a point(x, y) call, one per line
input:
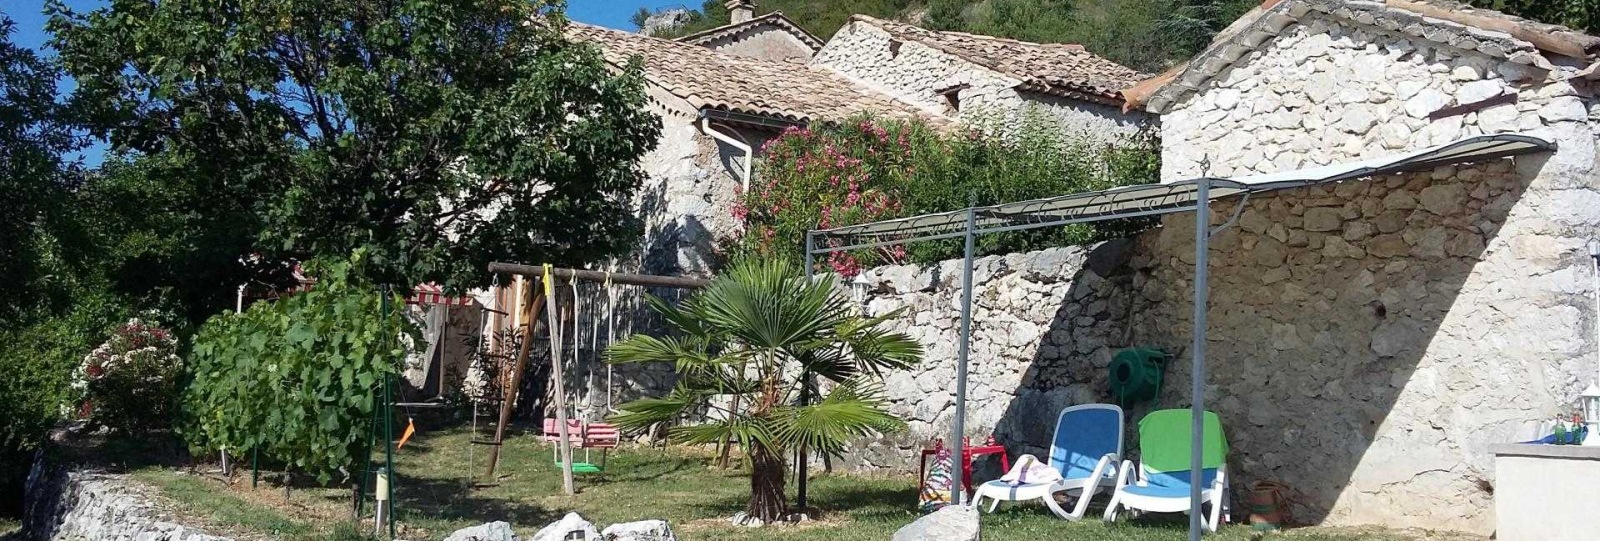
point(640, 483)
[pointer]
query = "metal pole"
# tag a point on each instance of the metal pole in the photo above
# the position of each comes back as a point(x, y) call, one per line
point(388, 425)
point(810, 246)
point(1197, 390)
point(803, 465)
point(958, 492)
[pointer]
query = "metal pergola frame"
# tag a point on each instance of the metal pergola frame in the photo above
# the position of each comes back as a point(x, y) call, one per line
point(1129, 202)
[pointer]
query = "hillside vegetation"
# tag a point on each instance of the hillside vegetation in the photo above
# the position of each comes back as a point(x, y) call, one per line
point(1149, 35)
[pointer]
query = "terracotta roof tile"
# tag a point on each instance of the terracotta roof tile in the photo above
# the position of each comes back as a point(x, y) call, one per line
point(775, 18)
point(709, 79)
point(1062, 69)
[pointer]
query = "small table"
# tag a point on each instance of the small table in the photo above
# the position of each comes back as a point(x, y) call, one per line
point(1533, 483)
point(967, 453)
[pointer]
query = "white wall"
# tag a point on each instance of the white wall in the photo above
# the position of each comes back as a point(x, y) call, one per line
point(1457, 301)
point(766, 42)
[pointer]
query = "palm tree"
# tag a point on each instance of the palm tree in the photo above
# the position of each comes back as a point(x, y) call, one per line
point(745, 351)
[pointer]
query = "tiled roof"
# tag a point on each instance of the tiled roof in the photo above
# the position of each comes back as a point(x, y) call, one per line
point(709, 79)
point(1060, 69)
point(775, 18)
point(1441, 21)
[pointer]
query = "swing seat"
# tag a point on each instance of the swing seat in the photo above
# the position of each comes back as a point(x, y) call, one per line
point(581, 435)
point(600, 436)
point(552, 432)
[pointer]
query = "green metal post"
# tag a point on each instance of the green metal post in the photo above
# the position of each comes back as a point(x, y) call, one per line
point(255, 466)
point(388, 422)
point(388, 436)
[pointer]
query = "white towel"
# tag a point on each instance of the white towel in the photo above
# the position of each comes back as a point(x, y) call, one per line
point(1029, 470)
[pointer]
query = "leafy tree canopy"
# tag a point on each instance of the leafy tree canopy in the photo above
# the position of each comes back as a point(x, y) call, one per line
point(1146, 34)
point(1150, 35)
point(33, 177)
point(1580, 15)
point(435, 134)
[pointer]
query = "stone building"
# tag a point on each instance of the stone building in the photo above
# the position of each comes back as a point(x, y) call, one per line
point(1367, 341)
point(960, 75)
point(716, 110)
point(719, 103)
point(768, 37)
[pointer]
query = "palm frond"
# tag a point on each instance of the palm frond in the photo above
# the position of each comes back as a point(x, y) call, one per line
point(875, 349)
point(743, 430)
point(639, 415)
point(686, 318)
point(853, 409)
point(768, 304)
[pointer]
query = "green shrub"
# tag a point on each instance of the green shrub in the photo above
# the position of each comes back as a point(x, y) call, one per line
point(296, 378)
point(867, 170)
point(37, 361)
point(128, 383)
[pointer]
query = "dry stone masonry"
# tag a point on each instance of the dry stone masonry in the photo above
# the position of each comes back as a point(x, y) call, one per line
point(1367, 340)
point(66, 504)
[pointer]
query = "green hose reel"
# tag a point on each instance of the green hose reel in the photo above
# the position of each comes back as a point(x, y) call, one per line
point(1136, 374)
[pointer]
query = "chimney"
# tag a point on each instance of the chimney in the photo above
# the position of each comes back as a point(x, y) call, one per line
point(740, 10)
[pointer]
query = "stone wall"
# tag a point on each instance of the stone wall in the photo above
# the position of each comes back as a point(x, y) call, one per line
point(1468, 288)
point(1367, 341)
point(767, 42)
point(1044, 327)
point(65, 504)
point(916, 73)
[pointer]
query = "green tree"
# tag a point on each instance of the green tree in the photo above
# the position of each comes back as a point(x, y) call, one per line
point(1149, 35)
point(438, 135)
point(748, 347)
point(34, 179)
point(1580, 15)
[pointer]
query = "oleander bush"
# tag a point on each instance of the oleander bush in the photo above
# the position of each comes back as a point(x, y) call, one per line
point(871, 169)
point(127, 384)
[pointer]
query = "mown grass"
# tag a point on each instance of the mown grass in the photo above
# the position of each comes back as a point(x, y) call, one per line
point(434, 498)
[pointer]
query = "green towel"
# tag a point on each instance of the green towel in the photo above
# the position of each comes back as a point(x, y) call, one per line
point(1164, 441)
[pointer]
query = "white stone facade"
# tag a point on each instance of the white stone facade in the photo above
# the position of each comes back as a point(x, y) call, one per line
point(1368, 341)
point(767, 42)
point(916, 73)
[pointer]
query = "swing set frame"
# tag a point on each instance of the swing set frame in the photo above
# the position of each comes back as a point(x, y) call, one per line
point(531, 301)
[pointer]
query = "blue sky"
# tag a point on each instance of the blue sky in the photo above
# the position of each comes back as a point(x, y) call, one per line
point(30, 20)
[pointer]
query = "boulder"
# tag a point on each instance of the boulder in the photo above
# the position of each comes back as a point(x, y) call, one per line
point(563, 530)
point(493, 531)
point(644, 530)
point(952, 523)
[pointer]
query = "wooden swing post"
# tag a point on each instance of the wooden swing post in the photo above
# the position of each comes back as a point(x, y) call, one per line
point(527, 311)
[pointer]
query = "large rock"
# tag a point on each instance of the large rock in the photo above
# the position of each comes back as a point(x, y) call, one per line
point(662, 21)
point(644, 530)
point(61, 503)
point(952, 523)
point(493, 531)
point(1323, 219)
point(563, 530)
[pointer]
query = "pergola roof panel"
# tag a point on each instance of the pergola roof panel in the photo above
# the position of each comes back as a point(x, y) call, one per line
point(1154, 199)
